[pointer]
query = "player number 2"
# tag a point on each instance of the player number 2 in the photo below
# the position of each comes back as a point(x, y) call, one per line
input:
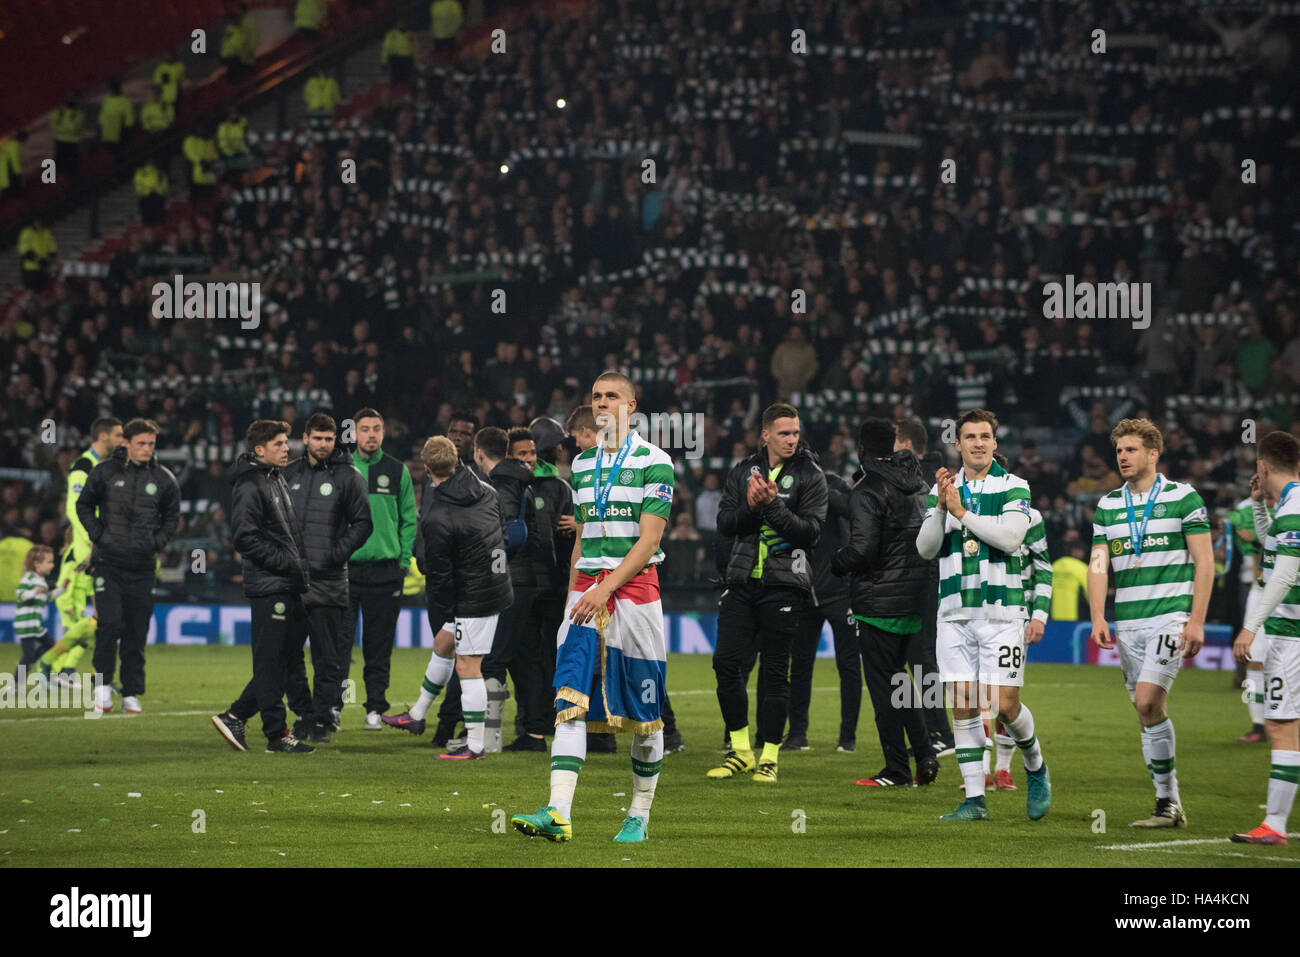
point(1275, 689)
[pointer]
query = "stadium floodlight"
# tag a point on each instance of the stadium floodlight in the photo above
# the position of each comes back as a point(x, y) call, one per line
point(559, 104)
point(505, 168)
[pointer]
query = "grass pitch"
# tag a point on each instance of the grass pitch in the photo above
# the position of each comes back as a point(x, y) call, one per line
point(128, 791)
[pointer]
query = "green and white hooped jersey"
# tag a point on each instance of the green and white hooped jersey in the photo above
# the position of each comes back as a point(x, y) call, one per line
point(643, 483)
point(989, 584)
point(1284, 539)
point(29, 616)
point(1038, 564)
point(1159, 594)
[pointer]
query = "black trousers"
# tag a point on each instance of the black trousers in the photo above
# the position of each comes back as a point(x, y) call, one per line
point(803, 656)
point(125, 605)
point(331, 645)
point(33, 648)
point(754, 619)
point(921, 656)
point(517, 648)
point(374, 595)
point(276, 620)
point(884, 655)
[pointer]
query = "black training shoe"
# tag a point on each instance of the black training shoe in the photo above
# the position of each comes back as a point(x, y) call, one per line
point(847, 745)
point(232, 729)
point(796, 742)
point(336, 719)
point(441, 736)
point(884, 780)
point(673, 742)
point(318, 734)
point(287, 745)
point(526, 742)
point(927, 769)
point(601, 744)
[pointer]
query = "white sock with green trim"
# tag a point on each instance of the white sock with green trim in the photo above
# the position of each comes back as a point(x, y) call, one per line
point(1255, 696)
point(969, 736)
point(988, 741)
point(568, 752)
point(1282, 783)
point(1022, 729)
point(647, 757)
point(473, 703)
point(1006, 747)
point(436, 676)
point(1158, 744)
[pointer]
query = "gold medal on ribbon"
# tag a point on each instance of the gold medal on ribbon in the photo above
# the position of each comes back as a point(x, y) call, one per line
point(972, 546)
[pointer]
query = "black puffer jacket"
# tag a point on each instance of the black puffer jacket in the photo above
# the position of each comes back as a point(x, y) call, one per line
point(138, 510)
point(514, 484)
point(887, 506)
point(266, 532)
point(332, 505)
point(828, 586)
point(463, 549)
point(797, 515)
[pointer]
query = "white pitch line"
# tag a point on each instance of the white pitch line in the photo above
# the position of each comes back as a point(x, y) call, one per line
point(80, 716)
point(1162, 844)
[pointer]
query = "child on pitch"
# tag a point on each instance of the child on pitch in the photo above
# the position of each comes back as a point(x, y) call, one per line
point(75, 589)
point(611, 658)
point(462, 550)
point(29, 617)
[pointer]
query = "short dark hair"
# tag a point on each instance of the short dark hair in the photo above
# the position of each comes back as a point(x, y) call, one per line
point(492, 441)
point(366, 413)
point(778, 410)
point(320, 422)
point(463, 415)
point(876, 437)
point(105, 423)
point(978, 415)
point(518, 434)
point(1281, 450)
point(263, 431)
point(912, 430)
point(138, 427)
point(583, 417)
point(618, 377)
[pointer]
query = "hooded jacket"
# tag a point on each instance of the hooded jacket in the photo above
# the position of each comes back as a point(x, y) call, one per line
point(461, 542)
point(514, 482)
point(129, 511)
point(266, 532)
point(828, 586)
point(557, 501)
point(333, 511)
point(797, 515)
point(886, 509)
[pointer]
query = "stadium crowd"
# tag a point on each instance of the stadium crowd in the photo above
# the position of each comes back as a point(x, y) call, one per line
point(730, 223)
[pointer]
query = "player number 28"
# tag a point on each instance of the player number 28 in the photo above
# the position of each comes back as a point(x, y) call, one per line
point(1010, 657)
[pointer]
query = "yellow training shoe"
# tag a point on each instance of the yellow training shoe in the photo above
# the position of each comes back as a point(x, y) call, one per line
point(766, 772)
point(736, 762)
